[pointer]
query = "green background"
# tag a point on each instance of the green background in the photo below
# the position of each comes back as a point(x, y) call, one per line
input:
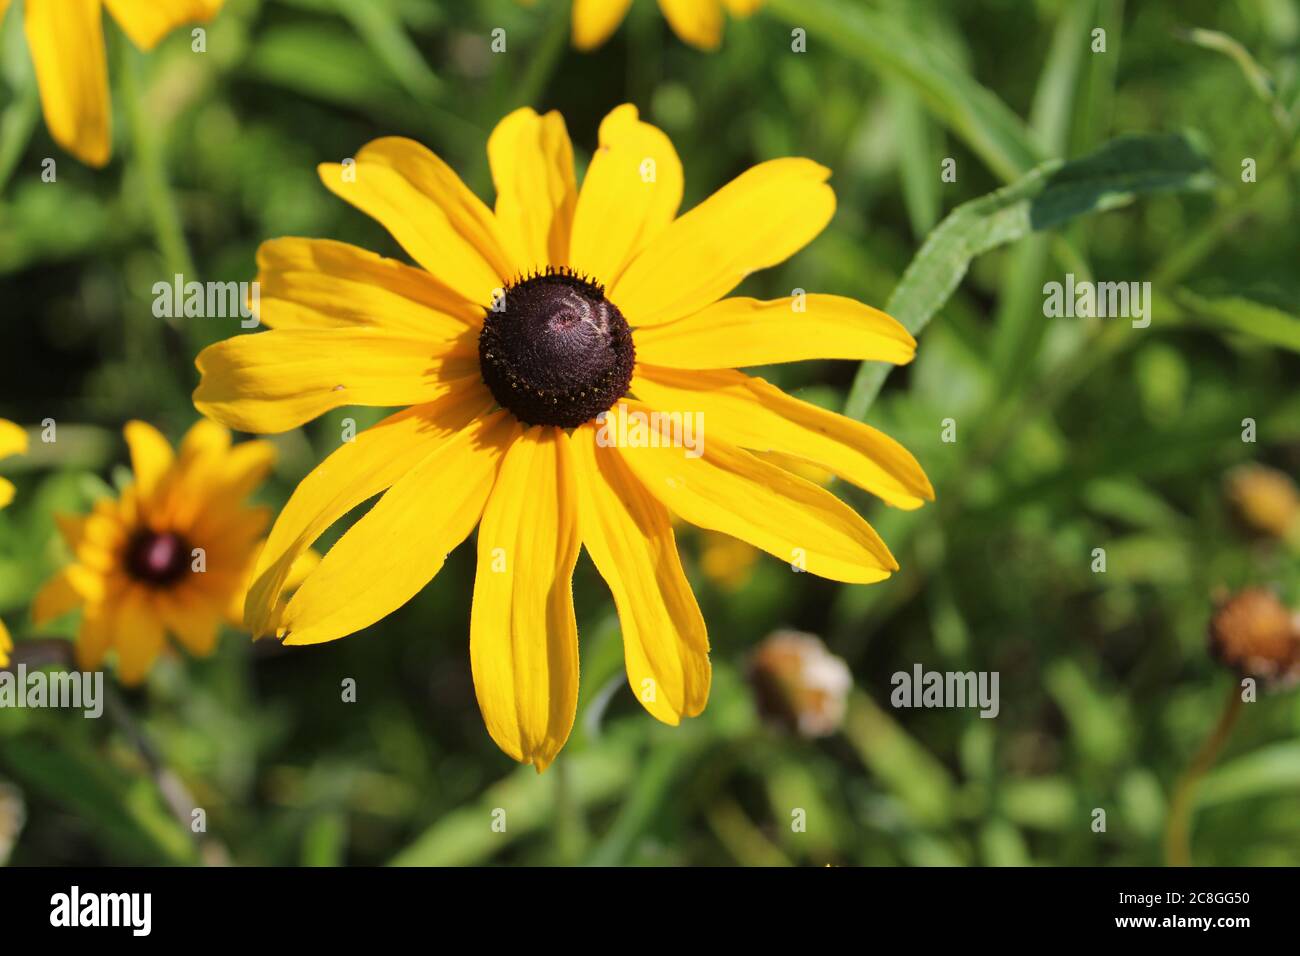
point(1072, 434)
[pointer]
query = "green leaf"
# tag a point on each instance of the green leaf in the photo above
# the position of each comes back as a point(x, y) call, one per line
point(1245, 316)
point(1269, 770)
point(881, 43)
point(124, 810)
point(1050, 196)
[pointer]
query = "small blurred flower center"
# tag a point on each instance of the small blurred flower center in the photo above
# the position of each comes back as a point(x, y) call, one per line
point(157, 558)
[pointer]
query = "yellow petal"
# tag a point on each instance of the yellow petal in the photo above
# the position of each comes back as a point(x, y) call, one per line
point(139, 637)
point(57, 598)
point(729, 490)
point(151, 456)
point(66, 39)
point(357, 471)
point(631, 192)
point(697, 22)
point(205, 439)
point(194, 620)
point(273, 381)
point(13, 439)
point(148, 21)
point(244, 468)
point(6, 491)
point(630, 538)
point(395, 550)
point(737, 333)
point(762, 217)
point(595, 20)
point(319, 284)
point(429, 211)
point(523, 637)
point(741, 8)
point(532, 169)
point(95, 636)
point(753, 414)
point(6, 643)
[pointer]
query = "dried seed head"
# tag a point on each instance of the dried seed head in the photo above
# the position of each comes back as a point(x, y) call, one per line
point(800, 684)
point(1256, 635)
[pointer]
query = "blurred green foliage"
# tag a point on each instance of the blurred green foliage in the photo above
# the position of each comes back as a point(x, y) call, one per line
point(1072, 434)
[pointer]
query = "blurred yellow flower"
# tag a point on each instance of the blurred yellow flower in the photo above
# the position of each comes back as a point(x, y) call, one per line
point(13, 441)
point(171, 555)
point(66, 39)
point(697, 22)
point(1265, 499)
point(517, 348)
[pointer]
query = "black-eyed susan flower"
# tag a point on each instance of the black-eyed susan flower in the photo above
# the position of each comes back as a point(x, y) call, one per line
point(799, 684)
point(66, 39)
point(697, 22)
point(533, 346)
point(171, 555)
point(13, 441)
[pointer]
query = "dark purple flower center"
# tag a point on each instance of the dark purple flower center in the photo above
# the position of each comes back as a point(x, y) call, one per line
point(157, 558)
point(555, 351)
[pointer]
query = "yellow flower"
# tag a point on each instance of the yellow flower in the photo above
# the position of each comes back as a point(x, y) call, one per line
point(525, 323)
point(66, 39)
point(697, 22)
point(171, 555)
point(13, 441)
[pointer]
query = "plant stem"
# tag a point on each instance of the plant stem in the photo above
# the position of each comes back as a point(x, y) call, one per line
point(1178, 829)
point(147, 155)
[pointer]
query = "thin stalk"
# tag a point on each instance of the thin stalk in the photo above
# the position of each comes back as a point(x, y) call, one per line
point(147, 155)
point(1178, 828)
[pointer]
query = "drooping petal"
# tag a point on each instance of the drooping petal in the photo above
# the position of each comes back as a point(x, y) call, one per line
point(397, 548)
point(244, 468)
point(697, 22)
point(193, 618)
point(631, 192)
point(762, 217)
point(273, 381)
point(357, 471)
point(523, 639)
point(151, 455)
point(320, 284)
point(148, 21)
point(429, 211)
point(595, 20)
point(738, 333)
point(722, 488)
point(55, 599)
point(753, 414)
point(13, 439)
point(66, 39)
point(95, 636)
point(532, 169)
point(630, 538)
point(139, 637)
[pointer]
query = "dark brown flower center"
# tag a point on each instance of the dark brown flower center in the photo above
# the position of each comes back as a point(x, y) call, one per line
point(555, 351)
point(157, 558)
